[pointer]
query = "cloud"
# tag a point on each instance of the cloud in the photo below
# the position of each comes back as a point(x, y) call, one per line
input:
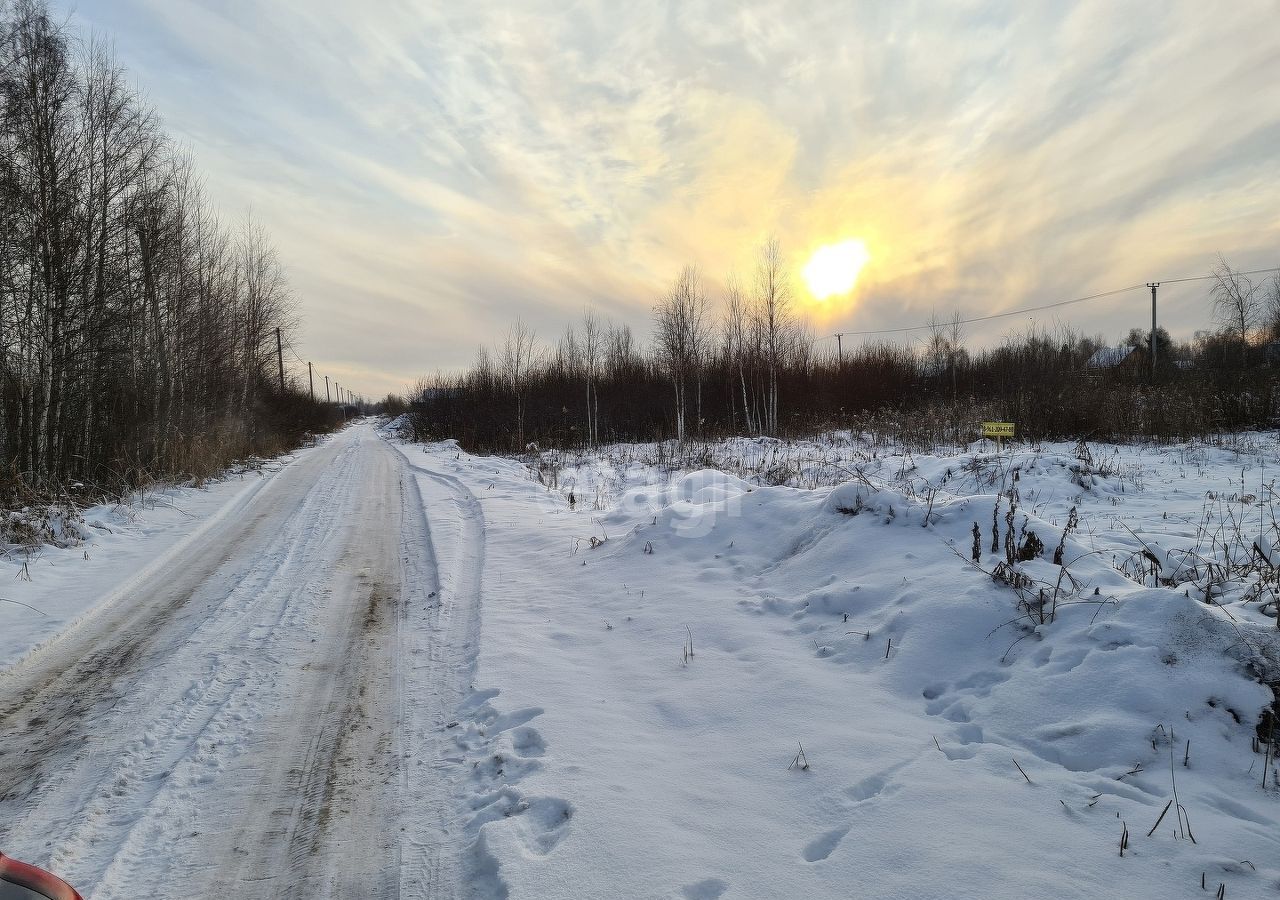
point(431, 171)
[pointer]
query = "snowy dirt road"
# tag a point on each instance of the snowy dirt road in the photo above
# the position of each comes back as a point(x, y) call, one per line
point(262, 715)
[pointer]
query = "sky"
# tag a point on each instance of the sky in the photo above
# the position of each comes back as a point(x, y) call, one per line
point(430, 171)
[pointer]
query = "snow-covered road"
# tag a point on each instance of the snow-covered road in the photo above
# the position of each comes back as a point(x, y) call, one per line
point(259, 715)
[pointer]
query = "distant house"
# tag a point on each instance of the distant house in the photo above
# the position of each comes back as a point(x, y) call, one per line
point(1111, 359)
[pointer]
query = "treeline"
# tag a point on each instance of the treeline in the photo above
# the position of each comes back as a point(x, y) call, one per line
point(752, 367)
point(137, 331)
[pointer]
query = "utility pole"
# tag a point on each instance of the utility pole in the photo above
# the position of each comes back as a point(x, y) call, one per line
point(840, 346)
point(1153, 285)
point(280, 359)
point(327, 398)
point(337, 390)
point(311, 383)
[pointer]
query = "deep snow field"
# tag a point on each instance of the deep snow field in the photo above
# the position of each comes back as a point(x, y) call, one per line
point(653, 658)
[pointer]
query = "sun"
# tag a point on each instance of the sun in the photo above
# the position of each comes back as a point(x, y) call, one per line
point(833, 269)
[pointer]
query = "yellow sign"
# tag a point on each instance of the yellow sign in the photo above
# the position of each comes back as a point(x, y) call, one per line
point(997, 429)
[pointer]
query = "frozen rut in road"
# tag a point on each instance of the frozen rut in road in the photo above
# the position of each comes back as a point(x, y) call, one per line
point(264, 715)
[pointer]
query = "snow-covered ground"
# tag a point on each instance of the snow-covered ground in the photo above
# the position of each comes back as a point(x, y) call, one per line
point(117, 544)
point(653, 658)
point(425, 673)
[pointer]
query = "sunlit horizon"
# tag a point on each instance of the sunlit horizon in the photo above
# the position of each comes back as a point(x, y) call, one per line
point(463, 166)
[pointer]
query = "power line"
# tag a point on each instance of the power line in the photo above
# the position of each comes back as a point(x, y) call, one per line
point(1029, 309)
point(343, 396)
point(1012, 312)
point(1208, 277)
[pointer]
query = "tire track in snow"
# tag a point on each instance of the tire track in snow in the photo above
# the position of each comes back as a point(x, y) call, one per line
point(85, 698)
point(187, 748)
point(242, 724)
point(322, 823)
point(186, 739)
point(443, 556)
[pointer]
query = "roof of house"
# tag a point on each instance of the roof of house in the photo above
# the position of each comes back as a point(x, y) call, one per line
point(1109, 357)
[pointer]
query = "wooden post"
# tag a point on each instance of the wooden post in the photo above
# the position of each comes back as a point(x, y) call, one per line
point(280, 359)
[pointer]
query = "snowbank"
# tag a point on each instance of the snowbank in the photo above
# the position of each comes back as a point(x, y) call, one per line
point(641, 703)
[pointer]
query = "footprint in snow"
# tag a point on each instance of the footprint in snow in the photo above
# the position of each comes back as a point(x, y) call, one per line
point(881, 784)
point(543, 824)
point(707, 889)
point(527, 741)
point(821, 847)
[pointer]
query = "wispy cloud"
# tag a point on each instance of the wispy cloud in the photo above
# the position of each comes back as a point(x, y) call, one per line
point(432, 170)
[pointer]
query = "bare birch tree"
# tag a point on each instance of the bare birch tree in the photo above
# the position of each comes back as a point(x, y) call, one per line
point(681, 337)
point(776, 323)
point(1237, 304)
point(592, 350)
point(736, 329)
point(515, 363)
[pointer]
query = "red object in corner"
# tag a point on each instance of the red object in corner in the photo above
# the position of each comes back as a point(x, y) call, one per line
point(34, 879)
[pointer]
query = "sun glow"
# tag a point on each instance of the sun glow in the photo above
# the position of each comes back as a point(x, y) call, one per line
point(833, 269)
